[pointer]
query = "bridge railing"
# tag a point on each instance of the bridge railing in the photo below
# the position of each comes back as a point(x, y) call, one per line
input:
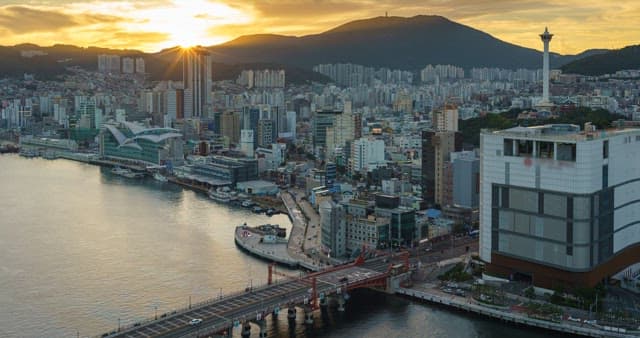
point(180, 311)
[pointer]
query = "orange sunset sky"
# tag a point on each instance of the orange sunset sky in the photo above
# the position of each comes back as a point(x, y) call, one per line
point(151, 25)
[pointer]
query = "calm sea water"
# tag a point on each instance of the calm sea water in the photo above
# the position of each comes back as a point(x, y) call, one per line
point(81, 249)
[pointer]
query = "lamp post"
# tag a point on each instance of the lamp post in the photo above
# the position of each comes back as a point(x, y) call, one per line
point(155, 307)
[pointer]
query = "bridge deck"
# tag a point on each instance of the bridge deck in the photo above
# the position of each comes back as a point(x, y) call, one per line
point(218, 315)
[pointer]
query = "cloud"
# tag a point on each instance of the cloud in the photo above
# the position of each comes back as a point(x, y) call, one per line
point(578, 24)
point(19, 19)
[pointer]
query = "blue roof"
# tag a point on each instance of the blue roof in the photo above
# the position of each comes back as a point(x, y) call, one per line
point(433, 213)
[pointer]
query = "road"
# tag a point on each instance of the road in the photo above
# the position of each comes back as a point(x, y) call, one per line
point(221, 313)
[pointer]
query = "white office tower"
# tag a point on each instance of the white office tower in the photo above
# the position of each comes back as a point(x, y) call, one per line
point(196, 76)
point(246, 142)
point(367, 154)
point(559, 206)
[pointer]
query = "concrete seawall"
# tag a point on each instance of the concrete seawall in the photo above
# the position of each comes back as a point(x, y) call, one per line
point(276, 252)
point(511, 317)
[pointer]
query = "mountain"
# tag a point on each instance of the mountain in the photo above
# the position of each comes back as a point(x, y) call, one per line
point(164, 65)
point(606, 63)
point(394, 42)
point(53, 60)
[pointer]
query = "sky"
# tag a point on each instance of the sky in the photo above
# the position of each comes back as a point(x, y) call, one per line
point(151, 25)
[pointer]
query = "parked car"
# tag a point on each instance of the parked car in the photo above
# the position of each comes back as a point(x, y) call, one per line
point(195, 321)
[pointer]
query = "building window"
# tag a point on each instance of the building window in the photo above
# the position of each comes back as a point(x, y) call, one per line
point(605, 176)
point(605, 149)
point(566, 152)
point(525, 148)
point(545, 149)
point(508, 147)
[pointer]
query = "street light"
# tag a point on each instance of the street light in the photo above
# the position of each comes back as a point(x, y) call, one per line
point(155, 307)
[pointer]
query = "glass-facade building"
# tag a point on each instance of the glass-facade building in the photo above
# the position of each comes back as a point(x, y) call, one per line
point(133, 143)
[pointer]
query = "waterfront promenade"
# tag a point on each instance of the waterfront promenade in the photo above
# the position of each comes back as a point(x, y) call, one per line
point(430, 293)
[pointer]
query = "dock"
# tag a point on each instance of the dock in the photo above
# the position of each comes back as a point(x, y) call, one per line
point(253, 243)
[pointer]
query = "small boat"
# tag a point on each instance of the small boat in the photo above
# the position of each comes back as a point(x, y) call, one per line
point(247, 204)
point(159, 177)
point(219, 195)
point(126, 173)
point(257, 209)
point(271, 212)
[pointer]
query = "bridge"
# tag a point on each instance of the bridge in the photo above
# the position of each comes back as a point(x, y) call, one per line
point(219, 316)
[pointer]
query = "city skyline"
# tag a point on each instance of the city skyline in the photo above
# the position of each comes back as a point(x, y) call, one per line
point(151, 25)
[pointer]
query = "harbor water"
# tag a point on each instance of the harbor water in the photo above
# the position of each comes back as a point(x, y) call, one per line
point(83, 251)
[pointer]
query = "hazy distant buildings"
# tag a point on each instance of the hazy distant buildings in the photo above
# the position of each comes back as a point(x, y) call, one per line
point(264, 78)
point(436, 73)
point(140, 66)
point(109, 63)
point(197, 79)
point(128, 65)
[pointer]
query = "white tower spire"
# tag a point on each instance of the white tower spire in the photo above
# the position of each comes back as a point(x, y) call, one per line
point(546, 38)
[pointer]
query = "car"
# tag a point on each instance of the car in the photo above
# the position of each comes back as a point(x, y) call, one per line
point(195, 321)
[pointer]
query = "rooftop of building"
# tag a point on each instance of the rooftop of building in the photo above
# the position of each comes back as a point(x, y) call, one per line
point(565, 132)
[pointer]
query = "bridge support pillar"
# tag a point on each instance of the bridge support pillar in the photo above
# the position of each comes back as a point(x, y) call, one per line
point(246, 330)
point(341, 302)
point(263, 328)
point(308, 315)
point(291, 313)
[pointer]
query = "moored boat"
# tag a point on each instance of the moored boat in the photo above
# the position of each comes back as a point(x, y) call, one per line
point(124, 172)
point(159, 177)
point(221, 195)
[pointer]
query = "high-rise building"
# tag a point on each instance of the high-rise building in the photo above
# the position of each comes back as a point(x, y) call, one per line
point(127, 65)
point(230, 126)
point(466, 179)
point(140, 67)
point(447, 119)
point(343, 130)
point(367, 154)
point(292, 123)
point(333, 227)
point(246, 142)
point(197, 79)
point(108, 63)
point(558, 205)
point(322, 120)
point(265, 133)
point(436, 147)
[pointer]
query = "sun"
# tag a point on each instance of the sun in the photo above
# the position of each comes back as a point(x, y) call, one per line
point(190, 23)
